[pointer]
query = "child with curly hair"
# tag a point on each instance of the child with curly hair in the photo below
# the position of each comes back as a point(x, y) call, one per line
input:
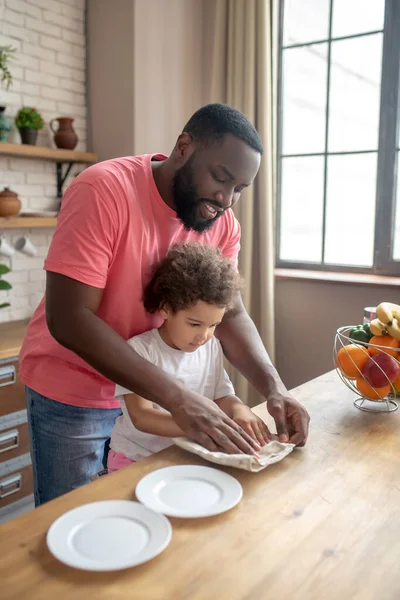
point(191, 288)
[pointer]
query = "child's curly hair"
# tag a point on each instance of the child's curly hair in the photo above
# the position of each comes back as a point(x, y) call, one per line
point(190, 273)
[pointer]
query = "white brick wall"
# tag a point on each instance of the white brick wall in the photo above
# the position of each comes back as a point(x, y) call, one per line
point(49, 74)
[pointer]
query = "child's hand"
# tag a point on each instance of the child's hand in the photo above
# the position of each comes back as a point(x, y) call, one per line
point(253, 425)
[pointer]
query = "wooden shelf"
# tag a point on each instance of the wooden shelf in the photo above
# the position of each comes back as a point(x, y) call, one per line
point(41, 152)
point(28, 222)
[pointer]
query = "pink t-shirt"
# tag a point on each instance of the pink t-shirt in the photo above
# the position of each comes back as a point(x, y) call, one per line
point(113, 227)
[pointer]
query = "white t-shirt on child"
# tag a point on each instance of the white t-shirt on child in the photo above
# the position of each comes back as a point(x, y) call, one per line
point(201, 371)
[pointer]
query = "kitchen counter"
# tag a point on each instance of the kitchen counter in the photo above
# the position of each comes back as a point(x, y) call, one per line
point(11, 336)
point(323, 523)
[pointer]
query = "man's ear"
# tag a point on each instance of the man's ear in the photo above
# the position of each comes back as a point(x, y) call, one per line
point(184, 147)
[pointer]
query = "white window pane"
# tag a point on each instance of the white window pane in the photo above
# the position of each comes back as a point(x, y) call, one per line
point(350, 209)
point(302, 193)
point(396, 245)
point(357, 16)
point(304, 72)
point(305, 21)
point(355, 93)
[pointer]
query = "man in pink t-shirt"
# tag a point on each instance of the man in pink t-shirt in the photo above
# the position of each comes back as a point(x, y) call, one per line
point(118, 219)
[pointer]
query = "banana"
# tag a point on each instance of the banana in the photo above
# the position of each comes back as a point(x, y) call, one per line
point(386, 312)
point(377, 327)
point(394, 329)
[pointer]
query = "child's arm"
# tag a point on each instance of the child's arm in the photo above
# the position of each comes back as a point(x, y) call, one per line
point(148, 419)
point(227, 404)
point(243, 416)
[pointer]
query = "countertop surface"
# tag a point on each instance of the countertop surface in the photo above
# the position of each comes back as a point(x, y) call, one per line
point(11, 336)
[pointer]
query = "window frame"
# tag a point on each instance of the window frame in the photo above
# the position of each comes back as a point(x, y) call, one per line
point(387, 153)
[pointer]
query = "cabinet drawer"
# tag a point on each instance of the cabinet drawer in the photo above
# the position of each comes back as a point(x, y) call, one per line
point(15, 486)
point(14, 442)
point(12, 391)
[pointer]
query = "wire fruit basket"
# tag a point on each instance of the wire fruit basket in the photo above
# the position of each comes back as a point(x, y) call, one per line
point(371, 371)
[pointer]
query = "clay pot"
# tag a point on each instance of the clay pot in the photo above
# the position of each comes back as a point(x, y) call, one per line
point(10, 204)
point(65, 136)
point(28, 136)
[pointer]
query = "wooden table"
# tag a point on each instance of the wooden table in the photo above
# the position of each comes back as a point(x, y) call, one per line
point(11, 336)
point(323, 524)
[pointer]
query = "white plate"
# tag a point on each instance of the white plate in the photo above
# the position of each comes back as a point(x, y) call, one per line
point(189, 491)
point(109, 535)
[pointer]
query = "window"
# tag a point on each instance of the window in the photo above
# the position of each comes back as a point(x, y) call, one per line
point(338, 190)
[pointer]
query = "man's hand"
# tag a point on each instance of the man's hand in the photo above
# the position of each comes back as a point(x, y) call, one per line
point(204, 422)
point(251, 423)
point(291, 419)
point(244, 349)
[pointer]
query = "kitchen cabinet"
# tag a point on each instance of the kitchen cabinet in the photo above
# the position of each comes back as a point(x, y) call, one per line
point(16, 482)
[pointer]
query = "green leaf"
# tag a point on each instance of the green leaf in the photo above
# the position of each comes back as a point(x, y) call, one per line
point(4, 285)
point(6, 54)
point(4, 269)
point(5, 304)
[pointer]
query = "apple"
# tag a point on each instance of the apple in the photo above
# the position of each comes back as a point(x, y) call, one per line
point(381, 369)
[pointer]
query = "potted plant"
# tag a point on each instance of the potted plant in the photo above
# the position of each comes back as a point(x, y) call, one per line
point(4, 285)
point(6, 54)
point(28, 121)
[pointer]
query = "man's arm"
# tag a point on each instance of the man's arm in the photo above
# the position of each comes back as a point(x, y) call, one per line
point(71, 308)
point(244, 349)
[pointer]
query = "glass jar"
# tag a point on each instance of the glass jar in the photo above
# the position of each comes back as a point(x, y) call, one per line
point(369, 314)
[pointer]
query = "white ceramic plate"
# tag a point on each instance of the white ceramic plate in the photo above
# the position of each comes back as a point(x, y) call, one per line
point(109, 535)
point(189, 491)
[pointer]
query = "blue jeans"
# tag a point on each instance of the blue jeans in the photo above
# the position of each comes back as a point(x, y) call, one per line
point(67, 444)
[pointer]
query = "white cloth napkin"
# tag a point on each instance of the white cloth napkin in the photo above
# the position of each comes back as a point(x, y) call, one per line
point(269, 454)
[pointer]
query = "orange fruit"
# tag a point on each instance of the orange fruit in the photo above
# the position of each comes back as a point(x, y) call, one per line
point(396, 384)
point(370, 392)
point(351, 360)
point(388, 342)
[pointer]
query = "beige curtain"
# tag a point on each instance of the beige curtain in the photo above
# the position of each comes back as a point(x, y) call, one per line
point(241, 76)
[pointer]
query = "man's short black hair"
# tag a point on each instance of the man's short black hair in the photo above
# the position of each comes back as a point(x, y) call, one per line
point(212, 121)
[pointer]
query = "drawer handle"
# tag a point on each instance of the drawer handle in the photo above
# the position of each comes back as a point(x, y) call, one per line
point(10, 485)
point(9, 440)
point(8, 375)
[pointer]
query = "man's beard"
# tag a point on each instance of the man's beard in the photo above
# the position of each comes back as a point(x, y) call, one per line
point(186, 200)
